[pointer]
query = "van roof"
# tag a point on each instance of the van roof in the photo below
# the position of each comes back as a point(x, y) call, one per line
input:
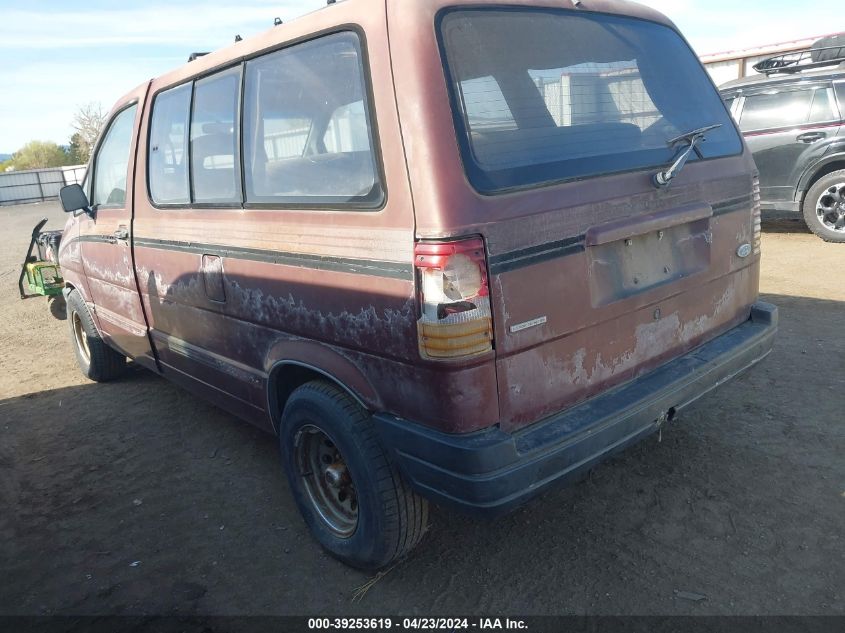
point(349, 12)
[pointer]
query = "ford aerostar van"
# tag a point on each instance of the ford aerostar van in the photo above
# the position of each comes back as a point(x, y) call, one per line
point(447, 250)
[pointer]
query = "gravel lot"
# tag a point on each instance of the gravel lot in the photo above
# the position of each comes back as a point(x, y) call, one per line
point(135, 497)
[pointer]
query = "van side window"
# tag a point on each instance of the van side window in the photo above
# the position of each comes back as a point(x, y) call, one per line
point(112, 161)
point(780, 109)
point(307, 132)
point(215, 160)
point(168, 155)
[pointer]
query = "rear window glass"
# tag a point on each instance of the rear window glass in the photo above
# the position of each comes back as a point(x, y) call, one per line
point(307, 133)
point(550, 95)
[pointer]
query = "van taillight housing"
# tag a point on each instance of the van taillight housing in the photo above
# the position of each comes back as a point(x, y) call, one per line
point(755, 213)
point(455, 319)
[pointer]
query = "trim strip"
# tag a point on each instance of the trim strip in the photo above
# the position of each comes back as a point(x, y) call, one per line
point(97, 239)
point(374, 267)
point(507, 262)
point(502, 263)
point(734, 204)
point(792, 128)
point(211, 360)
point(377, 268)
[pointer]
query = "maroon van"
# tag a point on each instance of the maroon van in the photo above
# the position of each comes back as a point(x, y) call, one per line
point(457, 252)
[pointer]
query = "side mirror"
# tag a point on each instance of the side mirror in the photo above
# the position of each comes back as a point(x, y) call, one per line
point(73, 199)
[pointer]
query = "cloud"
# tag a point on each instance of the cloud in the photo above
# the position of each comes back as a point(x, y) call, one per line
point(54, 61)
point(45, 95)
point(720, 25)
point(185, 24)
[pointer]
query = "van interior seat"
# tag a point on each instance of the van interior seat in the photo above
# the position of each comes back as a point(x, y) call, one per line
point(513, 147)
point(213, 165)
point(341, 174)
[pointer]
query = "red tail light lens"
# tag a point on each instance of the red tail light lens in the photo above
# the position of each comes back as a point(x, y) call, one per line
point(454, 292)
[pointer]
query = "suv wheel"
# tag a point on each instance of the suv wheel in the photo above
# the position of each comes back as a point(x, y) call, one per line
point(352, 498)
point(824, 207)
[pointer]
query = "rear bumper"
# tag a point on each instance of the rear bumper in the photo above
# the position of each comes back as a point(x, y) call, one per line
point(490, 472)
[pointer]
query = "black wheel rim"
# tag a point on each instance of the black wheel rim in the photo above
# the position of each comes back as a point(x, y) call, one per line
point(327, 481)
point(830, 208)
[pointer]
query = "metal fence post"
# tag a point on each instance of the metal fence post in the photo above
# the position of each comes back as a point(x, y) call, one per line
point(40, 188)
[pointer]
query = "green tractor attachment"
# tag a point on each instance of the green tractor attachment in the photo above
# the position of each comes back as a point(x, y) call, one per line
point(41, 275)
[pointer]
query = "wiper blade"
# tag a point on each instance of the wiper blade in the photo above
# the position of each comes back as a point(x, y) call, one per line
point(693, 138)
point(690, 135)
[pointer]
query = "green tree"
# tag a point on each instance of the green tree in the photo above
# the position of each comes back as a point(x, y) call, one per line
point(78, 150)
point(88, 120)
point(40, 154)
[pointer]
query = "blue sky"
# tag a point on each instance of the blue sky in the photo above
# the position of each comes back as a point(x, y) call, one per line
point(56, 55)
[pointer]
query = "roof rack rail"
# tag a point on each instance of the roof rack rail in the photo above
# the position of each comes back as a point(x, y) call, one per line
point(799, 61)
point(194, 56)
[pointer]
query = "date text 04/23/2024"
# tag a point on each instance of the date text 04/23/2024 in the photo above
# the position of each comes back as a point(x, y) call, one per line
point(416, 624)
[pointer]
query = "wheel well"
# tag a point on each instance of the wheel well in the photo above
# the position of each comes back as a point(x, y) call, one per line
point(285, 378)
point(821, 173)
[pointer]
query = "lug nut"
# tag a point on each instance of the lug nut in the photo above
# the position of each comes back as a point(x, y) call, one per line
point(336, 475)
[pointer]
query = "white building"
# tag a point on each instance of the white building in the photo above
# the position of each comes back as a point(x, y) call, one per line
point(739, 63)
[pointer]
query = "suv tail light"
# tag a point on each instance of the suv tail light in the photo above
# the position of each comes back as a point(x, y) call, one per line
point(455, 299)
point(755, 213)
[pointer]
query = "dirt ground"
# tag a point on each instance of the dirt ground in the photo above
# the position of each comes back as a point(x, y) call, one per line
point(137, 498)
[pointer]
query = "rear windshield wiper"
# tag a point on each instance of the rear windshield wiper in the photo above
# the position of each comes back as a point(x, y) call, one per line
point(664, 178)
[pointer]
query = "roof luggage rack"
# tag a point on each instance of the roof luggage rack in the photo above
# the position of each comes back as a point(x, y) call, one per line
point(807, 59)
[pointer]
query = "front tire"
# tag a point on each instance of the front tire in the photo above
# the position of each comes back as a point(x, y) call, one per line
point(350, 495)
point(95, 358)
point(824, 207)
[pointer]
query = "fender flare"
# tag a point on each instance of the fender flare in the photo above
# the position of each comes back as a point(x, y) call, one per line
point(812, 170)
point(321, 359)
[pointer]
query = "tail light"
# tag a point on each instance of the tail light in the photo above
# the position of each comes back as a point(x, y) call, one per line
point(755, 213)
point(455, 299)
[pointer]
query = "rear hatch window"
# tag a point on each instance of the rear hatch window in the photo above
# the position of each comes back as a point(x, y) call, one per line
point(547, 95)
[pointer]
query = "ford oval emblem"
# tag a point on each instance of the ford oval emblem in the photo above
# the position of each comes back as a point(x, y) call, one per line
point(744, 250)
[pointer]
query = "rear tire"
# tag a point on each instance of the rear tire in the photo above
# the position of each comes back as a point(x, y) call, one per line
point(350, 495)
point(96, 359)
point(824, 207)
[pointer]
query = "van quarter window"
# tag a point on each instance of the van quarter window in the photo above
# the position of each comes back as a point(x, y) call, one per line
point(307, 132)
point(547, 95)
point(112, 161)
point(168, 155)
point(215, 157)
